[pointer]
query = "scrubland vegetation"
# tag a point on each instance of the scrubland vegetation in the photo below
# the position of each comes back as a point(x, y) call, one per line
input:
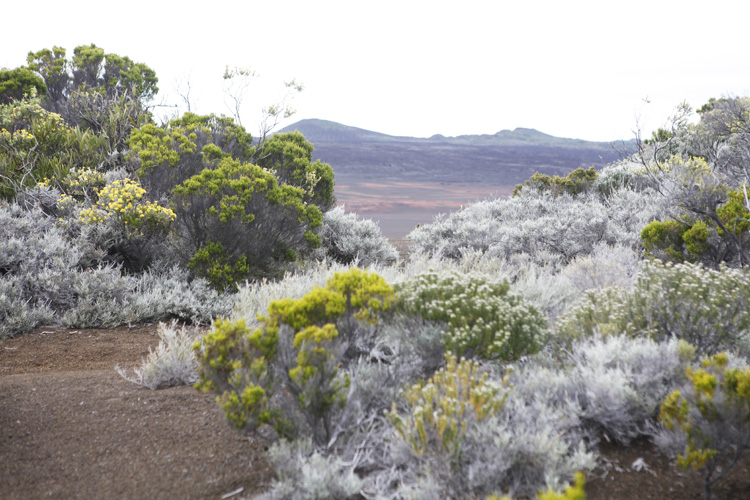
point(522, 331)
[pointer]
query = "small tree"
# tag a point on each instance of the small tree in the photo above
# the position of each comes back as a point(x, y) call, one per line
point(90, 69)
point(715, 223)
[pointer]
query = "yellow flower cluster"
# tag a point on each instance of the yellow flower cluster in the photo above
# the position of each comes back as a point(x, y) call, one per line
point(65, 201)
point(121, 201)
point(21, 135)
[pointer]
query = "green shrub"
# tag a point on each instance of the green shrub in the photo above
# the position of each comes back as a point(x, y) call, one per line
point(296, 357)
point(576, 182)
point(482, 317)
point(164, 157)
point(236, 221)
point(712, 225)
point(712, 412)
point(707, 308)
point(289, 157)
point(38, 146)
point(702, 239)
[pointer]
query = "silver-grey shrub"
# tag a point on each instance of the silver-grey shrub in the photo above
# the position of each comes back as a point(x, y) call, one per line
point(165, 292)
point(541, 224)
point(613, 385)
point(348, 238)
point(303, 473)
point(526, 446)
point(172, 363)
point(50, 274)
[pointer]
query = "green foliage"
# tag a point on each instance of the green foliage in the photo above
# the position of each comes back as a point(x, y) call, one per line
point(52, 67)
point(440, 411)
point(90, 69)
point(37, 146)
point(713, 221)
point(166, 156)
point(260, 224)
point(212, 263)
point(575, 491)
point(289, 156)
point(712, 411)
point(576, 182)
point(709, 239)
point(19, 82)
point(482, 317)
point(707, 308)
point(250, 368)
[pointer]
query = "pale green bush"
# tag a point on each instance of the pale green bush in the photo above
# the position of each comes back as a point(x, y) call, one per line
point(707, 308)
point(482, 317)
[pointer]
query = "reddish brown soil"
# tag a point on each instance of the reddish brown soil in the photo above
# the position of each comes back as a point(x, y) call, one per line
point(70, 427)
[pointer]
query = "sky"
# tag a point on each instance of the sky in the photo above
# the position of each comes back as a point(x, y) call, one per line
point(594, 70)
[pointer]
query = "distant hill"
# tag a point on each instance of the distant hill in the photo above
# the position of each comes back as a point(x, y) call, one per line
point(404, 181)
point(316, 130)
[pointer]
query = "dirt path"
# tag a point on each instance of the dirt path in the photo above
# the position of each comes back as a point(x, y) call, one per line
point(73, 428)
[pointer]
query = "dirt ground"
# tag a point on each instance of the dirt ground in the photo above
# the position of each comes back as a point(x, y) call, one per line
point(71, 427)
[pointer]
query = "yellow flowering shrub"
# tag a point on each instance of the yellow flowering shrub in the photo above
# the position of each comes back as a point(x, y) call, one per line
point(712, 412)
point(122, 201)
point(299, 341)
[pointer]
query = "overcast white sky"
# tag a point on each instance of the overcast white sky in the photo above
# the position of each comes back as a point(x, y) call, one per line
point(581, 69)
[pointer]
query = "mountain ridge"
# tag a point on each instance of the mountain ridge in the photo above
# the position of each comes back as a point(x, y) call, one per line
point(317, 130)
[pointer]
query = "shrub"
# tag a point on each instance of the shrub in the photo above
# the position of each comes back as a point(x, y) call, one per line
point(576, 182)
point(165, 157)
point(49, 274)
point(710, 414)
point(523, 448)
point(482, 317)
point(37, 146)
point(298, 351)
point(304, 473)
point(441, 410)
point(540, 225)
point(289, 157)
point(605, 387)
point(605, 267)
point(172, 363)
point(347, 238)
point(135, 228)
point(237, 221)
point(720, 236)
point(707, 308)
point(165, 292)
